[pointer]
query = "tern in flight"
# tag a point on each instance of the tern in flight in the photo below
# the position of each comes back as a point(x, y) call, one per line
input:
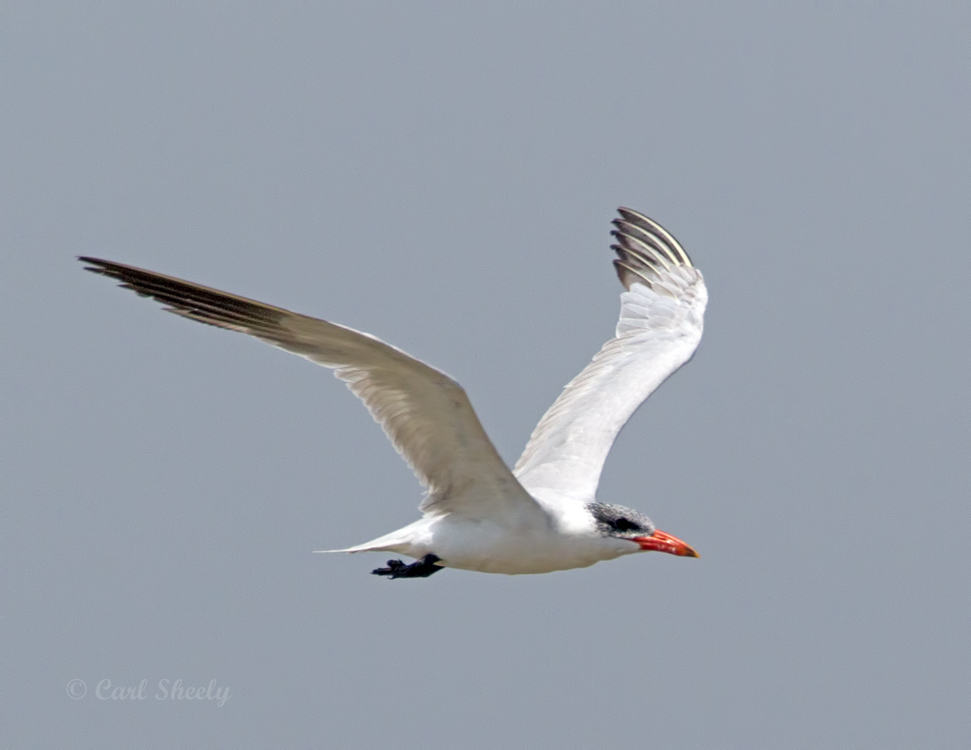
point(542, 515)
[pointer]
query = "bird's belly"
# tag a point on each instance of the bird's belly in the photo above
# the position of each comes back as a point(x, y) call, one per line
point(524, 552)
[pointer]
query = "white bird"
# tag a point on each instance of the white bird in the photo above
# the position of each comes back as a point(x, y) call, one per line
point(477, 514)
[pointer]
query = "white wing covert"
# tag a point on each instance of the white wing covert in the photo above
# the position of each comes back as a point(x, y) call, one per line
point(426, 415)
point(660, 325)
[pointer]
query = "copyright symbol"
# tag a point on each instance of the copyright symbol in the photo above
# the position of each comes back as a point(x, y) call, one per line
point(76, 689)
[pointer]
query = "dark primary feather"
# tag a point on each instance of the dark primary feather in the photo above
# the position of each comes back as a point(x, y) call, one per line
point(195, 301)
point(645, 249)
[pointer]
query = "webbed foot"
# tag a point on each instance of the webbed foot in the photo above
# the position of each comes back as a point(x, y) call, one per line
point(421, 569)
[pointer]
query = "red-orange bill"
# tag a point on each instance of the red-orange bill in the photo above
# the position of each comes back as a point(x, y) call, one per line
point(660, 541)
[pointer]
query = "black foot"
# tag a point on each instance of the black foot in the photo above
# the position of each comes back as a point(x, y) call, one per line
point(421, 569)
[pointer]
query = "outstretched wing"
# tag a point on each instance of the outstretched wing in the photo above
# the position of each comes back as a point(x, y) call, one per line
point(659, 329)
point(425, 414)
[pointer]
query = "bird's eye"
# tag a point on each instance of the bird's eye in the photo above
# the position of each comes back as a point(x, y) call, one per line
point(624, 524)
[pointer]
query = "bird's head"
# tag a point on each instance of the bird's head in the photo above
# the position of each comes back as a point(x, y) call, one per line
point(623, 523)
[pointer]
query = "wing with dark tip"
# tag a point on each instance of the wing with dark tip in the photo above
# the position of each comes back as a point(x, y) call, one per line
point(425, 413)
point(661, 315)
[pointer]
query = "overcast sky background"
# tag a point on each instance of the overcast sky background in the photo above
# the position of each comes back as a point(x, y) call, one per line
point(444, 178)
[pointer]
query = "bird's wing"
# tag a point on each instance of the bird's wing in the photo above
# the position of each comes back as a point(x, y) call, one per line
point(659, 329)
point(425, 414)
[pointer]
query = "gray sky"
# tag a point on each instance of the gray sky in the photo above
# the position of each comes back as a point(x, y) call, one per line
point(444, 177)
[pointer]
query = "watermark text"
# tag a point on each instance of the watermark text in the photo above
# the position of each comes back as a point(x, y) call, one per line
point(163, 690)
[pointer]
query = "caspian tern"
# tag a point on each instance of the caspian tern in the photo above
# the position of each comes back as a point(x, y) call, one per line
point(477, 514)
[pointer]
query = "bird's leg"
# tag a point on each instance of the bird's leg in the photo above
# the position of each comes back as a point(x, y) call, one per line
point(421, 569)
